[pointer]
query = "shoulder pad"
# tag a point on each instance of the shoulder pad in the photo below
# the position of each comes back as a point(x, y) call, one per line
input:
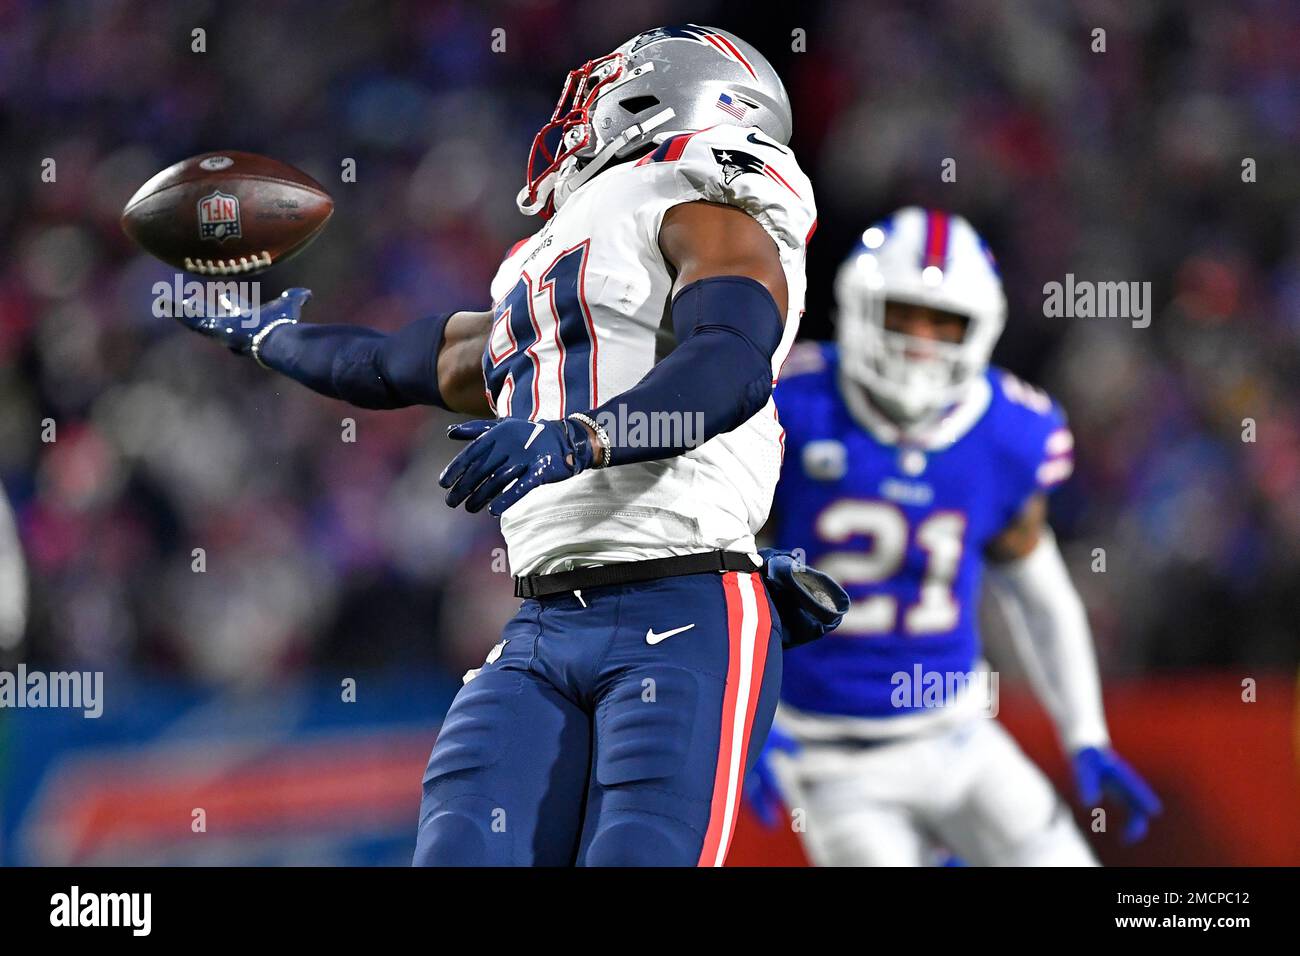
point(742, 167)
point(1040, 440)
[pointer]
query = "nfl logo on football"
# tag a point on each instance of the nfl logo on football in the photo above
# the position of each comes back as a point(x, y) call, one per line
point(219, 216)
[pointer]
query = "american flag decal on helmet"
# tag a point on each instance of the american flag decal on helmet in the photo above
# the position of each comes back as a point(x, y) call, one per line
point(737, 162)
point(732, 106)
point(696, 34)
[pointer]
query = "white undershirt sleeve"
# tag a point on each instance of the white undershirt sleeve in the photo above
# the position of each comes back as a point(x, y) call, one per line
point(1049, 627)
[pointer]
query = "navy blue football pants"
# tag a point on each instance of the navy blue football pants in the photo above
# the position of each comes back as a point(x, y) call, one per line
point(611, 728)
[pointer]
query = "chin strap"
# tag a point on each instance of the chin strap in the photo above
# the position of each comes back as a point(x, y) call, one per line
point(561, 184)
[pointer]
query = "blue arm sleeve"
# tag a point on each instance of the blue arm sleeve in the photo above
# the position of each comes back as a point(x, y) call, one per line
point(359, 365)
point(728, 328)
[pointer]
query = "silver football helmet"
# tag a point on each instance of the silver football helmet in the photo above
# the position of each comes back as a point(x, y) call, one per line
point(666, 80)
point(923, 257)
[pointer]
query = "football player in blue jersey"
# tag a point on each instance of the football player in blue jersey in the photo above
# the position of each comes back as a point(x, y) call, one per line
point(912, 468)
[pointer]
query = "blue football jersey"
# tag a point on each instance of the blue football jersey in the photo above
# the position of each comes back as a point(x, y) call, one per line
point(902, 527)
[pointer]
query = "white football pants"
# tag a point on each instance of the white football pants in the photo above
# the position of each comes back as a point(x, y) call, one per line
point(968, 789)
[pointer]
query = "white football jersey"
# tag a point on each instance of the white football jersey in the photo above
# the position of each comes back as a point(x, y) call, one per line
point(582, 313)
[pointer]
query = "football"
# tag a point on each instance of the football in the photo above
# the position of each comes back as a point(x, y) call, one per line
point(227, 213)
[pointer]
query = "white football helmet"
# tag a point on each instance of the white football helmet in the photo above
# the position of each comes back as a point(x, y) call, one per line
point(665, 80)
point(923, 257)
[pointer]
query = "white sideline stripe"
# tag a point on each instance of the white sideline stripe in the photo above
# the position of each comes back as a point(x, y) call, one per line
point(748, 636)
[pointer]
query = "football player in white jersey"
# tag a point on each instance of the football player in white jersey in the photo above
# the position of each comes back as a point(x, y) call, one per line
point(629, 361)
point(914, 468)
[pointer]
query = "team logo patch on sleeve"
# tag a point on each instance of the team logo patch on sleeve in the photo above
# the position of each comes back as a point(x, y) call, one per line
point(737, 162)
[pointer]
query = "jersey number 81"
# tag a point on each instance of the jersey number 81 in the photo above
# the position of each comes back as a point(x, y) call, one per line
point(515, 363)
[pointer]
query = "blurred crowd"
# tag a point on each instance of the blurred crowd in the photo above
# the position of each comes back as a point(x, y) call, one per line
point(170, 455)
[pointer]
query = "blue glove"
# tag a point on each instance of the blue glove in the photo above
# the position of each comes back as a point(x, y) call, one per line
point(236, 332)
point(762, 792)
point(1102, 770)
point(809, 602)
point(510, 457)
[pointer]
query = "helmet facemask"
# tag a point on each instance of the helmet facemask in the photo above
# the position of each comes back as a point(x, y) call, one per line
point(915, 376)
point(571, 129)
point(911, 378)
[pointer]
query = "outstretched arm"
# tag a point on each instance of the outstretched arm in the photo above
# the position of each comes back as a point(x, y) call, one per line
point(432, 361)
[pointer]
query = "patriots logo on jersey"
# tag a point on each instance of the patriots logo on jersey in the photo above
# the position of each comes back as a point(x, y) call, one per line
point(737, 162)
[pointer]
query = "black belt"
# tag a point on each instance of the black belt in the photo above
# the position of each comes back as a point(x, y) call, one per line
point(632, 572)
point(853, 743)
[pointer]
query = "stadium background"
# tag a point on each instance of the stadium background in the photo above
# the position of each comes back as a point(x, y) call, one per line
point(328, 560)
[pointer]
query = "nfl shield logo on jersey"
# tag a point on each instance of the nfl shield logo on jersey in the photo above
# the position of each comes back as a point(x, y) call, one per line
point(219, 216)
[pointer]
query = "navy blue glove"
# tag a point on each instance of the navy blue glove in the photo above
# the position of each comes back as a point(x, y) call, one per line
point(762, 792)
point(1102, 770)
point(509, 457)
point(809, 602)
point(236, 332)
